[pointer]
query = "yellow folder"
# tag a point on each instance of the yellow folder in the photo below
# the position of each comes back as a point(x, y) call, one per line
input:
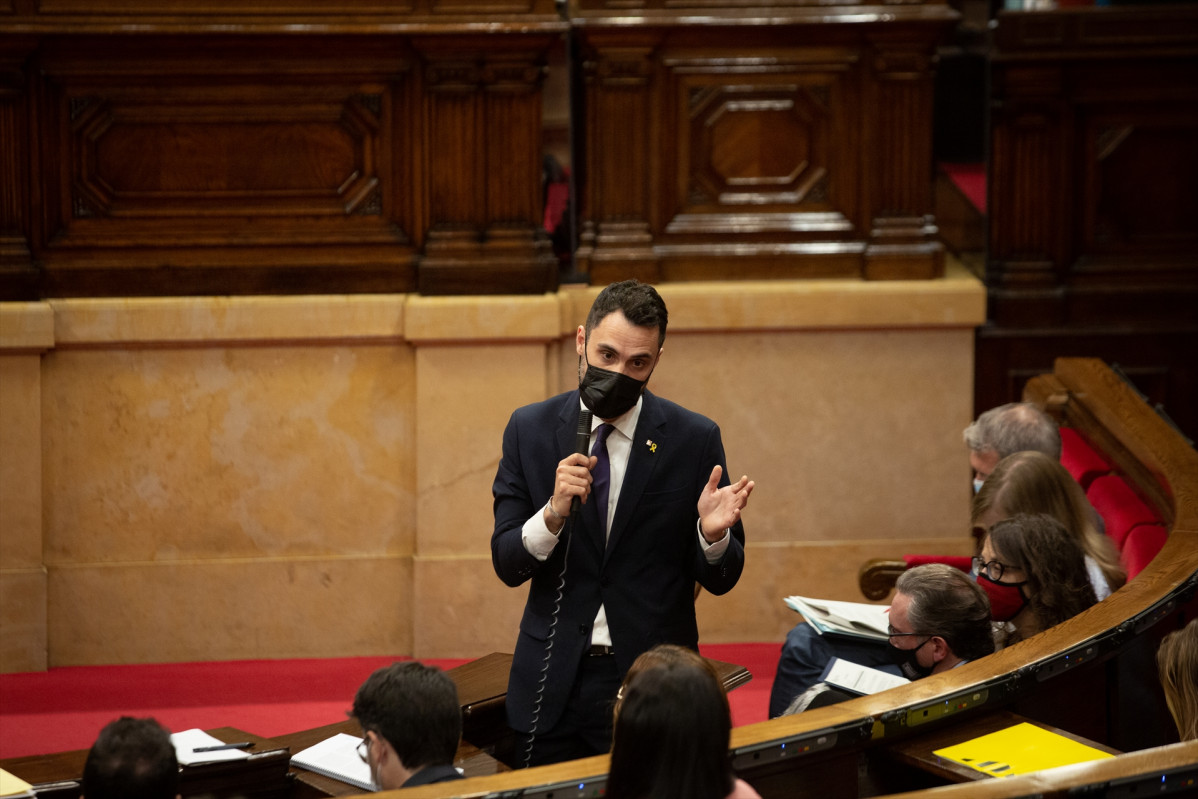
point(1020, 749)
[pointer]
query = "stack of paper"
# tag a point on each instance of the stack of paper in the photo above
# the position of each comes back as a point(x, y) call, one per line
point(12, 786)
point(856, 619)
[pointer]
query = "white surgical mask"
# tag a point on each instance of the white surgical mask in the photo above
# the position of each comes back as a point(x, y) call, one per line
point(977, 484)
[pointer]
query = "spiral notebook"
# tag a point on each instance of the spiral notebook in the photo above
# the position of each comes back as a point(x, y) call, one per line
point(337, 757)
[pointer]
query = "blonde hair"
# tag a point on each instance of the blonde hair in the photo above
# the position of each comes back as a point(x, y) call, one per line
point(1177, 660)
point(1032, 482)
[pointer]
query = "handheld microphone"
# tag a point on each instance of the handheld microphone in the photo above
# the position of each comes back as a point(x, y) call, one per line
point(582, 440)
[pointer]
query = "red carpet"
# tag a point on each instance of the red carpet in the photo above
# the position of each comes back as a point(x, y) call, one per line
point(64, 708)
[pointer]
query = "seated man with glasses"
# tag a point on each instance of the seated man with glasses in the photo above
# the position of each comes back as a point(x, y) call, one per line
point(939, 619)
point(411, 725)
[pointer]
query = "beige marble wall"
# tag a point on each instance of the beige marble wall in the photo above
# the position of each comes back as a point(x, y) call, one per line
point(288, 477)
point(26, 330)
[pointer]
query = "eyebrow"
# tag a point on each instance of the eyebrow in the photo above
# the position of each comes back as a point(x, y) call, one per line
point(600, 345)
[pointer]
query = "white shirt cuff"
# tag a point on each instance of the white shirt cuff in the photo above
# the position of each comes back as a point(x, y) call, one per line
point(713, 552)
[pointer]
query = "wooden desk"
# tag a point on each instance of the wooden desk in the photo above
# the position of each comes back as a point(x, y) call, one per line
point(917, 751)
point(263, 776)
point(482, 687)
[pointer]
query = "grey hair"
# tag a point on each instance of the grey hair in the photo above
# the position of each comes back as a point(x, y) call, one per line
point(1014, 427)
point(946, 601)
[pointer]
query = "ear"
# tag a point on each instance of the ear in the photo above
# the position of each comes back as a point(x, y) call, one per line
point(939, 649)
point(580, 340)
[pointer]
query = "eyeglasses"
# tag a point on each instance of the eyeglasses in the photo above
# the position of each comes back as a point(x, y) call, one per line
point(993, 569)
point(893, 633)
point(364, 750)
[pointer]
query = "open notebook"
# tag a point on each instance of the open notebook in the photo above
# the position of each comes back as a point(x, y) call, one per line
point(337, 757)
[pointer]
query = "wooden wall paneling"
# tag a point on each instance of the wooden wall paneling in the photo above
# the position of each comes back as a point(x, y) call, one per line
point(902, 241)
point(1026, 197)
point(483, 154)
point(732, 146)
point(620, 77)
point(1093, 196)
point(764, 163)
point(180, 165)
point(18, 277)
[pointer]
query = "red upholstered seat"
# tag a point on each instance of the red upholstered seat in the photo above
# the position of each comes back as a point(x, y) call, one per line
point(1080, 459)
point(1141, 545)
point(1120, 507)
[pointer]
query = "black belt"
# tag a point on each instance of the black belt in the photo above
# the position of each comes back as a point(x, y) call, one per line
point(599, 650)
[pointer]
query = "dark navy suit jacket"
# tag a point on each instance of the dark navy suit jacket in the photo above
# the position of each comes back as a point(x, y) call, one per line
point(645, 576)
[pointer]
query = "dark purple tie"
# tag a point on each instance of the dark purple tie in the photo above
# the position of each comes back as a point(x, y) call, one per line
point(601, 474)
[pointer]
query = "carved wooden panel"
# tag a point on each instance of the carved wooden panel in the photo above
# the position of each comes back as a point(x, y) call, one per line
point(1093, 199)
point(233, 154)
point(759, 151)
point(484, 153)
point(18, 279)
point(204, 163)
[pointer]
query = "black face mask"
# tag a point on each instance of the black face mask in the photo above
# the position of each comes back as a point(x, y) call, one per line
point(609, 394)
point(906, 660)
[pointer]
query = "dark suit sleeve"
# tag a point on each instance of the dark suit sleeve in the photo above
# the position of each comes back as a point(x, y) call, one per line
point(720, 577)
point(515, 497)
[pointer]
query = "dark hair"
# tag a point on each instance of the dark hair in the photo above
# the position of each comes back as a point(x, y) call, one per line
point(1032, 482)
point(131, 759)
point(947, 602)
point(639, 302)
point(415, 708)
point(1058, 586)
point(1014, 427)
point(672, 731)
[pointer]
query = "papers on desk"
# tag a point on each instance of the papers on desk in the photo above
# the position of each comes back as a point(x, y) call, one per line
point(13, 786)
point(855, 619)
point(1020, 749)
point(858, 679)
point(188, 741)
point(337, 757)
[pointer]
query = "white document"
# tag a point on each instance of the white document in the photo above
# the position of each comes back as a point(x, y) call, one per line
point(859, 679)
point(187, 741)
point(858, 619)
point(337, 757)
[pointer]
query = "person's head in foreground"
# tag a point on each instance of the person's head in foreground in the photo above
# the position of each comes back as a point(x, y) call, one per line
point(131, 759)
point(411, 723)
point(672, 730)
point(1177, 660)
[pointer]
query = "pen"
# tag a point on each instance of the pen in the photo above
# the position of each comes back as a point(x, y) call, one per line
point(238, 745)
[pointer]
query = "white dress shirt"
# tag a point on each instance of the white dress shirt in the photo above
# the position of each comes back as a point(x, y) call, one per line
point(540, 542)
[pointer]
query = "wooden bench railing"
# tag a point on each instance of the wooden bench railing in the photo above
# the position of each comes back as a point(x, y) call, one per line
point(1055, 677)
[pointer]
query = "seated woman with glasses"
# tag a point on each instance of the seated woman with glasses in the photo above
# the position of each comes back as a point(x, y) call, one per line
point(1032, 482)
point(1037, 571)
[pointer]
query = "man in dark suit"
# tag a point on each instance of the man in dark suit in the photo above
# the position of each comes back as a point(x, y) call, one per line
point(655, 515)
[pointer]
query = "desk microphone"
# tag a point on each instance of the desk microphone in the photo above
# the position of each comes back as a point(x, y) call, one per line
point(582, 441)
